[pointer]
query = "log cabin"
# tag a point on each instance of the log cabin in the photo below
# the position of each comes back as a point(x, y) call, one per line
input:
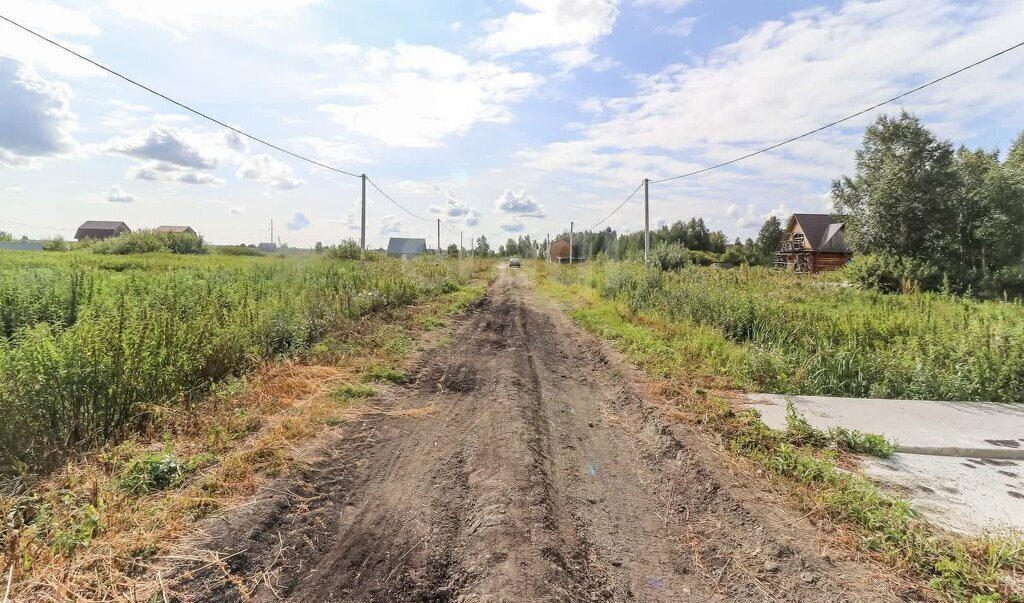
point(813, 243)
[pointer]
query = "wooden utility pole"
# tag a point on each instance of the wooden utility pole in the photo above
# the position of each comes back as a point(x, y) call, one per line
point(647, 224)
point(570, 242)
point(439, 237)
point(362, 221)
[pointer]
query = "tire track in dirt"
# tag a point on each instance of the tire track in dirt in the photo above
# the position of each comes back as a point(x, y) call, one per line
point(529, 471)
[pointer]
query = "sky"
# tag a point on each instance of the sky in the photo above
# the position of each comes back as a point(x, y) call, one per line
point(500, 118)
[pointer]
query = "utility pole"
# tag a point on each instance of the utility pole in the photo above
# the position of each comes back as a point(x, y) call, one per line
point(570, 243)
point(271, 231)
point(439, 237)
point(647, 223)
point(472, 247)
point(362, 223)
point(460, 244)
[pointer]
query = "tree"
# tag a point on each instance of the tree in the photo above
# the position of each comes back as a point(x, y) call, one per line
point(6, 236)
point(453, 250)
point(769, 237)
point(482, 247)
point(901, 198)
point(319, 247)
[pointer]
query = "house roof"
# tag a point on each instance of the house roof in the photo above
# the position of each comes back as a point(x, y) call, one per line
point(174, 229)
point(821, 231)
point(400, 246)
point(101, 225)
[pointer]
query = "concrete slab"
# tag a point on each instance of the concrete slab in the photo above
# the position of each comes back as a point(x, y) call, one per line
point(961, 464)
point(971, 496)
point(978, 429)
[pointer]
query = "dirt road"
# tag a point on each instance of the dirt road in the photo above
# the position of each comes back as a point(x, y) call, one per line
point(518, 465)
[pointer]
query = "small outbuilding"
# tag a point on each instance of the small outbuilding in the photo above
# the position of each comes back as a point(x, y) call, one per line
point(267, 247)
point(177, 229)
point(559, 251)
point(813, 243)
point(98, 229)
point(406, 248)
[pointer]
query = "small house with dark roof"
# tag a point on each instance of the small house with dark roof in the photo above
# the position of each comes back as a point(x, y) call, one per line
point(98, 229)
point(176, 229)
point(406, 248)
point(813, 243)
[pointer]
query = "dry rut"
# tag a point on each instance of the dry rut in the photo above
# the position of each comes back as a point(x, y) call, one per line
point(526, 469)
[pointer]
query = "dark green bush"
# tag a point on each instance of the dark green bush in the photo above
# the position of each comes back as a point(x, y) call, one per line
point(670, 256)
point(893, 274)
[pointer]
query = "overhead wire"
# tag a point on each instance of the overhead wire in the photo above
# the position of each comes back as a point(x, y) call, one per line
point(179, 103)
point(400, 206)
point(844, 119)
point(616, 210)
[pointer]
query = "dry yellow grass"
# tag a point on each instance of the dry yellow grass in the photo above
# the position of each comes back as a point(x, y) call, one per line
point(239, 440)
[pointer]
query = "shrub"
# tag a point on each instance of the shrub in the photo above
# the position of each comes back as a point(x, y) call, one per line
point(1006, 282)
point(347, 250)
point(893, 274)
point(239, 250)
point(57, 243)
point(151, 472)
point(148, 241)
point(670, 256)
point(184, 243)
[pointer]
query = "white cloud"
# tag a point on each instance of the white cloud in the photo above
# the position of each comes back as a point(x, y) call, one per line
point(186, 16)
point(389, 225)
point(669, 6)
point(162, 171)
point(269, 171)
point(788, 76)
point(681, 28)
point(416, 96)
point(116, 194)
point(456, 26)
point(35, 116)
point(518, 203)
point(299, 221)
point(567, 28)
point(453, 206)
point(236, 210)
point(514, 226)
point(166, 144)
point(51, 20)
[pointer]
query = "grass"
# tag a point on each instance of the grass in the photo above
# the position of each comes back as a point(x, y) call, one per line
point(775, 331)
point(94, 348)
point(807, 461)
point(91, 528)
point(350, 392)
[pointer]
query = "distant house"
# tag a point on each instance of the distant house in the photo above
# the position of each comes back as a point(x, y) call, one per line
point(176, 229)
point(406, 248)
point(95, 229)
point(813, 243)
point(267, 247)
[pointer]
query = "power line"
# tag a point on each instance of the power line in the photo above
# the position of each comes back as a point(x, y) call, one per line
point(616, 210)
point(179, 104)
point(839, 121)
point(388, 197)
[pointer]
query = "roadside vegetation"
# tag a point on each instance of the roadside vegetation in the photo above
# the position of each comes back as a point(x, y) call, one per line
point(140, 393)
point(707, 330)
point(775, 331)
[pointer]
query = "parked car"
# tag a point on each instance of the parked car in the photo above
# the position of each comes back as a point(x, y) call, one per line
point(514, 263)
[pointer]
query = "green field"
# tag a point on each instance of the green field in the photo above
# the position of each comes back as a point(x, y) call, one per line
point(773, 331)
point(95, 347)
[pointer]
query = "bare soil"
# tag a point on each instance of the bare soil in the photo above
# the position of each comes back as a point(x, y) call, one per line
point(518, 464)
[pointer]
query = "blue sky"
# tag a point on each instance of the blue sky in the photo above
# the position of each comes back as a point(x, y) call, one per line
point(502, 118)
